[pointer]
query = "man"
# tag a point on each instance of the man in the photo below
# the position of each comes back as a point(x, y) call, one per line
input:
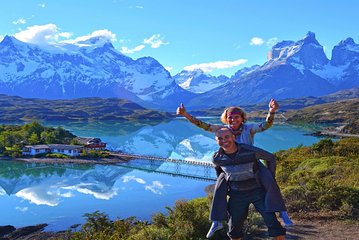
point(239, 162)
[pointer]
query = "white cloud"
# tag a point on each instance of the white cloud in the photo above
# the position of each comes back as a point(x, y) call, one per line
point(19, 21)
point(39, 196)
point(157, 187)
point(154, 41)
point(67, 195)
point(98, 33)
point(169, 68)
point(139, 7)
point(65, 34)
point(1, 37)
point(126, 50)
point(50, 33)
point(127, 179)
point(42, 5)
point(209, 67)
point(256, 41)
point(39, 34)
point(87, 188)
point(24, 209)
point(272, 41)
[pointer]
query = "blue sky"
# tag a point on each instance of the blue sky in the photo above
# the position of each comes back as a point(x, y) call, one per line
point(218, 36)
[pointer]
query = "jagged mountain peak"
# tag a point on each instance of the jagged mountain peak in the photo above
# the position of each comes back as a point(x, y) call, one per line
point(348, 41)
point(151, 63)
point(243, 71)
point(309, 38)
point(11, 41)
point(197, 81)
point(345, 52)
point(95, 40)
point(306, 53)
point(195, 72)
point(7, 40)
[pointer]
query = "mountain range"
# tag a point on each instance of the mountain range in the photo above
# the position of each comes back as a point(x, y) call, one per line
point(94, 68)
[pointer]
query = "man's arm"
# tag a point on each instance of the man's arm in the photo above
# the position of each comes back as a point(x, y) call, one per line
point(265, 155)
point(218, 169)
point(181, 110)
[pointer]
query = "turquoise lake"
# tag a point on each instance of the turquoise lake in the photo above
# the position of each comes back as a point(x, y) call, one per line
point(60, 194)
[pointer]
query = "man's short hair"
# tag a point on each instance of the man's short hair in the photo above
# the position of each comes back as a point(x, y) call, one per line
point(224, 128)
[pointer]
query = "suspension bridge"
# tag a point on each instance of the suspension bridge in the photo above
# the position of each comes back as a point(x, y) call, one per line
point(174, 167)
point(170, 166)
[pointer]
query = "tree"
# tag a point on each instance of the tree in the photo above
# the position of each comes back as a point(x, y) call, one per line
point(33, 139)
point(48, 137)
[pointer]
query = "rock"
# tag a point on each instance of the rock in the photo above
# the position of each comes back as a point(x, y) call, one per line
point(4, 230)
point(21, 232)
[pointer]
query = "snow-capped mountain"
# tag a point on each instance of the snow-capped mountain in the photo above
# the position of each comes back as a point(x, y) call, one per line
point(94, 68)
point(343, 69)
point(199, 82)
point(306, 53)
point(294, 69)
point(91, 68)
point(243, 71)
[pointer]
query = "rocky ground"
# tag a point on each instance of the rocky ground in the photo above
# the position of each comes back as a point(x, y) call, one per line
point(309, 230)
point(303, 229)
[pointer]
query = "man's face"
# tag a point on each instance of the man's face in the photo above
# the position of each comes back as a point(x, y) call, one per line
point(225, 139)
point(234, 121)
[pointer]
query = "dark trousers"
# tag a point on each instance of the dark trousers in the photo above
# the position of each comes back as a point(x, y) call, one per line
point(219, 203)
point(273, 199)
point(238, 205)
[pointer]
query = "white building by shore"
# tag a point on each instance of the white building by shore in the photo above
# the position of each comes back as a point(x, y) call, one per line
point(70, 150)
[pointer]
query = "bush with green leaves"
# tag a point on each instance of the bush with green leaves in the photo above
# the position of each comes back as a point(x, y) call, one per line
point(95, 154)
point(323, 177)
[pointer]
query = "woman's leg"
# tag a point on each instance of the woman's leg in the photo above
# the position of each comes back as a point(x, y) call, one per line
point(274, 201)
point(219, 202)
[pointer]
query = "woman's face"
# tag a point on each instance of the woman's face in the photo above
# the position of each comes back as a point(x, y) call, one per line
point(234, 121)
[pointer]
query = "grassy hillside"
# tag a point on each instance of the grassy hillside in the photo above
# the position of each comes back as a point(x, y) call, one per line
point(17, 108)
point(323, 177)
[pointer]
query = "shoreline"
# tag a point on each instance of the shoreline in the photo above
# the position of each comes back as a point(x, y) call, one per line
point(103, 161)
point(332, 134)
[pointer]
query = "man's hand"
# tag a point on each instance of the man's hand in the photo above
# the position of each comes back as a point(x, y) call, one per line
point(181, 110)
point(273, 106)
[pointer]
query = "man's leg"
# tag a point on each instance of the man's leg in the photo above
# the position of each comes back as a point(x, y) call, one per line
point(238, 205)
point(275, 229)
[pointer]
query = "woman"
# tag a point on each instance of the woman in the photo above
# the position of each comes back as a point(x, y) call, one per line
point(235, 118)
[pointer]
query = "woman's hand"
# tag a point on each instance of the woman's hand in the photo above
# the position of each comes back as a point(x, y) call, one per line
point(181, 110)
point(273, 106)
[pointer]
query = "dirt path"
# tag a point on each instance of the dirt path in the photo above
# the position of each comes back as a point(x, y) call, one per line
point(308, 230)
point(317, 230)
point(323, 230)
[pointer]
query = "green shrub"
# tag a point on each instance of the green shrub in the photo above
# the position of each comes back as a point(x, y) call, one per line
point(95, 154)
point(57, 155)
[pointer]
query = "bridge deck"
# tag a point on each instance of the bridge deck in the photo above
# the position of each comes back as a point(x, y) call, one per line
point(179, 161)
